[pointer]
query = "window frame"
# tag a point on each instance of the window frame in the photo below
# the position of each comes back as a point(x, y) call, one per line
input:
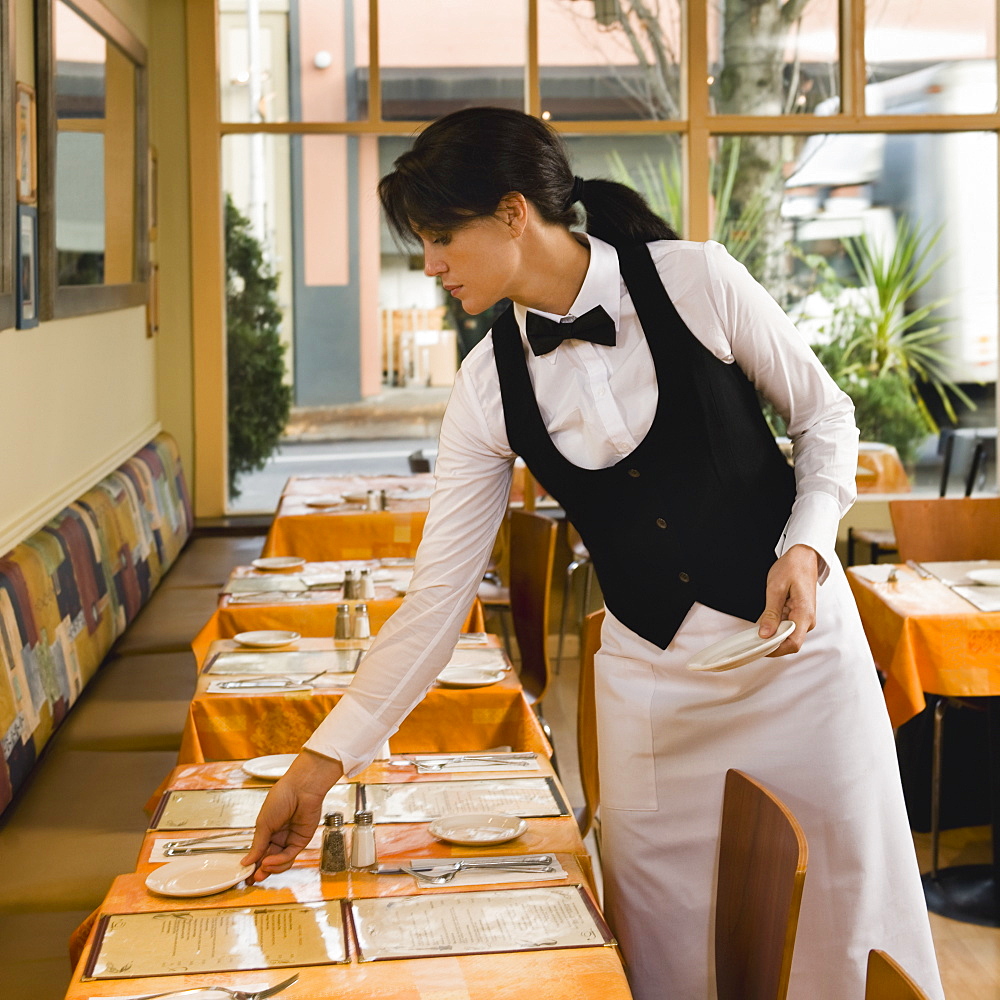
point(8, 191)
point(61, 301)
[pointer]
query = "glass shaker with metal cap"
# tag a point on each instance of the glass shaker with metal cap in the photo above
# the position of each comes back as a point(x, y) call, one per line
point(342, 625)
point(362, 626)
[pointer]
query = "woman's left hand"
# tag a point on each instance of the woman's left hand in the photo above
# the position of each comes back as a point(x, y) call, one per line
point(791, 595)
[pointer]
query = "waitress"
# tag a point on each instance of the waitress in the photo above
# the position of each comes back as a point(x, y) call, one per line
point(626, 375)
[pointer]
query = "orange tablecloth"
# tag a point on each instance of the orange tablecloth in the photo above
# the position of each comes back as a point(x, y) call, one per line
point(254, 723)
point(558, 974)
point(395, 840)
point(925, 637)
point(312, 615)
point(348, 531)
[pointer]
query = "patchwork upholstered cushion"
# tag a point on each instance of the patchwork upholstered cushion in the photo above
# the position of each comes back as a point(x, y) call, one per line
point(69, 591)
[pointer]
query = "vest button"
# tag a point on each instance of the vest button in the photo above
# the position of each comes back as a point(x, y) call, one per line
point(634, 473)
point(683, 577)
point(660, 523)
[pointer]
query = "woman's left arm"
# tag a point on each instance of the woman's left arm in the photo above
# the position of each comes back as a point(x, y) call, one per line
point(820, 419)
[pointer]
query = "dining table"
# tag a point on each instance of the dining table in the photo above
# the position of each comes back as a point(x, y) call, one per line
point(580, 972)
point(306, 601)
point(329, 517)
point(934, 629)
point(230, 718)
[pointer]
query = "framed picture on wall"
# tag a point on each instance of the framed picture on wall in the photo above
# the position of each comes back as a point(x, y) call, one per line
point(25, 145)
point(27, 266)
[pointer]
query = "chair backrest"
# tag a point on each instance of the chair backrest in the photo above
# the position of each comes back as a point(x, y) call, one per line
point(762, 866)
point(887, 981)
point(945, 530)
point(586, 720)
point(418, 461)
point(532, 553)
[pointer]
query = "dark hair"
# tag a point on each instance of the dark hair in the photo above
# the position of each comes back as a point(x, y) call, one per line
point(462, 165)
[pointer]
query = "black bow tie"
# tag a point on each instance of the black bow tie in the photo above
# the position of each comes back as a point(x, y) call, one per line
point(546, 335)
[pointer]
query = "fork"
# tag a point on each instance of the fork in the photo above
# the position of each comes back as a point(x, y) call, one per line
point(234, 994)
point(511, 760)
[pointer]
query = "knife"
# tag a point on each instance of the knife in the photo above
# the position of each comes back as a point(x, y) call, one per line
point(429, 864)
point(922, 572)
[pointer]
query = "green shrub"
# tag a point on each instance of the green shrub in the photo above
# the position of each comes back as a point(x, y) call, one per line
point(259, 399)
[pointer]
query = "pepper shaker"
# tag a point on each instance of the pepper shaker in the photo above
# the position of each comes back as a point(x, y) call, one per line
point(362, 627)
point(342, 626)
point(364, 856)
point(383, 500)
point(350, 585)
point(333, 856)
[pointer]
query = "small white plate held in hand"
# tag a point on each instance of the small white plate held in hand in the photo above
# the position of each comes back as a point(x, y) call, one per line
point(200, 876)
point(985, 577)
point(740, 649)
point(270, 768)
point(475, 829)
point(278, 564)
point(266, 638)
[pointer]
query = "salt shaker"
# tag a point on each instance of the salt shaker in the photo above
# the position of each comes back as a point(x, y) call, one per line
point(362, 627)
point(342, 626)
point(364, 856)
point(373, 501)
point(350, 585)
point(366, 585)
point(333, 856)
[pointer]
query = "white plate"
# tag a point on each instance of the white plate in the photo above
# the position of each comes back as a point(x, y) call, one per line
point(198, 876)
point(266, 638)
point(278, 564)
point(271, 767)
point(985, 577)
point(469, 677)
point(358, 496)
point(475, 829)
point(331, 501)
point(740, 649)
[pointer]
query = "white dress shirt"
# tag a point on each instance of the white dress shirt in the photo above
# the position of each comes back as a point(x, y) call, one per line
point(597, 403)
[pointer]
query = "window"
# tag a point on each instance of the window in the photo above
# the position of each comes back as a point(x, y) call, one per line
point(93, 155)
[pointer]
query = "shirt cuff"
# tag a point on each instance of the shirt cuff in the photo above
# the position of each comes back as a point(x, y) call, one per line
point(814, 521)
point(358, 738)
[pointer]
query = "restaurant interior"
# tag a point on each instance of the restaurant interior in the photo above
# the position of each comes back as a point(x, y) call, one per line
point(195, 279)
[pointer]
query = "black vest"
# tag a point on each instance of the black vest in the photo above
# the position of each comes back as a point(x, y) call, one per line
point(695, 511)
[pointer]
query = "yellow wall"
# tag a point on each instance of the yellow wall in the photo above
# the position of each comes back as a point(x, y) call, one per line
point(80, 395)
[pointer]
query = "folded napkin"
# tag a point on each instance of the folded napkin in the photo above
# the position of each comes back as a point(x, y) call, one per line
point(268, 597)
point(985, 598)
point(260, 685)
point(874, 574)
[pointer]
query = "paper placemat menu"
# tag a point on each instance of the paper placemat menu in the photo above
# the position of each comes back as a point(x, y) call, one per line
point(131, 945)
point(230, 808)
point(472, 923)
point(420, 802)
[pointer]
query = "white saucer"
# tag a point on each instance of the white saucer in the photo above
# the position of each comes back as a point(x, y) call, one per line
point(475, 829)
point(271, 767)
point(331, 501)
point(278, 564)
point(469, 677)
point(985, 577)
point(198, 876)
point(740, 649)
point(266, 638)
point(358, 496)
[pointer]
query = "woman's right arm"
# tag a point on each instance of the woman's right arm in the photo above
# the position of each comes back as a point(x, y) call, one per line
point(473, 474)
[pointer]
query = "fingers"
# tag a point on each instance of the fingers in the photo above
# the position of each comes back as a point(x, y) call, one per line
point(790, 596)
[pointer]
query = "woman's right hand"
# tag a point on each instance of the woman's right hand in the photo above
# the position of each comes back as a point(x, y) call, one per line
point(291, 813)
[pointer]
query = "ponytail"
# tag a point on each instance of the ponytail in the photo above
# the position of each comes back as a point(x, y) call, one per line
point(618, 215)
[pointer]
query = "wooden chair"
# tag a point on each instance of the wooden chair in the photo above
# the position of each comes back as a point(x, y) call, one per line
point(946, 529)
point(580, 561)
point(887, 981)
point(586, 728)
point(762, 867)
point(532, 553)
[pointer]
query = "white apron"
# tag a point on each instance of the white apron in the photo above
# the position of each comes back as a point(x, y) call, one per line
point(813, 728)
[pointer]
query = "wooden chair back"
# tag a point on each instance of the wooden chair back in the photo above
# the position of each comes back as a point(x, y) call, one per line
point(532, 554)
point(943, 529)
point(586, 721)
point(887, 981)
point(762, 867)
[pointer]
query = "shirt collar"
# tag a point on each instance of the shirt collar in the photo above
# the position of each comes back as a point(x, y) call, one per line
point(601, 287)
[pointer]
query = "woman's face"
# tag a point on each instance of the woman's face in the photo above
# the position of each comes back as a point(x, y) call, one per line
point(476, 261)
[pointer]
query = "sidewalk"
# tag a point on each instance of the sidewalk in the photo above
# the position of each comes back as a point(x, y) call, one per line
point(393, 413)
